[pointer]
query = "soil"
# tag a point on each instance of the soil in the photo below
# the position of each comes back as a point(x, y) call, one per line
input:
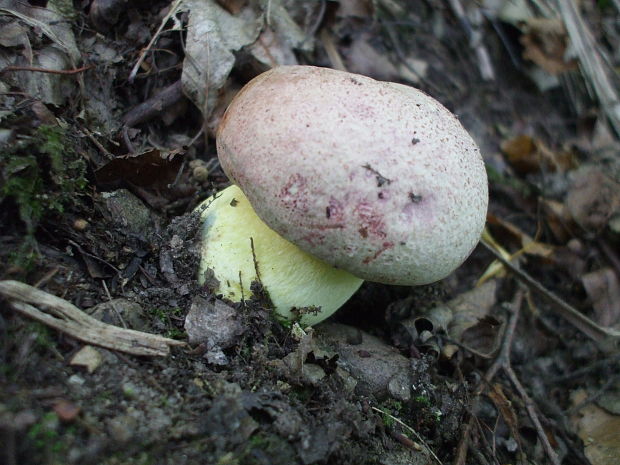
point(97, 196)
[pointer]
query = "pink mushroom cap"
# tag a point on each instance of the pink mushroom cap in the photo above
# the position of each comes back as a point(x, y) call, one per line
point(375, 178)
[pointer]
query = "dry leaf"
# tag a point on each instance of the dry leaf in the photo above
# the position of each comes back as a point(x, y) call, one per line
point(272, 50)
point(504, 407)
point(603, 290)
point(152, 169)
point(529, 155)
point(599, 430)
point(545, 44)
point(213, 37)
point(558, 219)
point(593, 199)
point(66, 410)
point(469, 312)
point(87, 357)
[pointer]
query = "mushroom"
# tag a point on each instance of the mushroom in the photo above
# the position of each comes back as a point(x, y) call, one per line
point(352, 177)
point(239, 249)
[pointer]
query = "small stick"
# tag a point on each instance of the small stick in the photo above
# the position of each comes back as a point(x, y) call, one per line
point(45, 70)
point(173, 10)
point(154, 105)
point(531, 411)
point(605, 337)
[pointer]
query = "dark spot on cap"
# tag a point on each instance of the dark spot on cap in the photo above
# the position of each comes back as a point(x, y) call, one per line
point(415, 140)
point(363, 232)
point(234, 202)
point(415, 198)
point(327, 212)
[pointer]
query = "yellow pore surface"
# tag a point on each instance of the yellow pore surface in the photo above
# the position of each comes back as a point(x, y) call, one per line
point(293, 278)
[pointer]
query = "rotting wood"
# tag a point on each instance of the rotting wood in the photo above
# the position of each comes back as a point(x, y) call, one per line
point(69, 319)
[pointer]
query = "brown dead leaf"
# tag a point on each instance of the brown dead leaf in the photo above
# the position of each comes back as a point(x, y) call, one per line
point(599, 430)
point(471, 323)
point(504, 407)
point(66, 410)
point(593, 199)
point(603, 290)
point(558, 219)
point(545, 44)
point(530, 155)
point(153, 169)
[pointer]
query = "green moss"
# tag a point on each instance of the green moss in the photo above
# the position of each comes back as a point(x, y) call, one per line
point(496, 177)
point(49, 439)
point(42, 174)
point(422, 401)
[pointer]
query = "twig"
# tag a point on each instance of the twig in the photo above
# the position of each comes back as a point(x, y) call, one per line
point(67, 318)
point(46, 70)
point(502, 362)
point(593, 366)
point(610, 253)
point(317, 22)
point(173, 10)
point(593, 397)
point(410, 429)
point(113, 305)
point(154, 105)
point(606, 338)
point(531, 411)
point(98, 144)
point(49, 275)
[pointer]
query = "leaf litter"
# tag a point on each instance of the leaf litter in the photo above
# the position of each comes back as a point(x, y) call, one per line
point(447, 373)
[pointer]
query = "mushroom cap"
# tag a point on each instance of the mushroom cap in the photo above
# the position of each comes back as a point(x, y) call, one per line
point(239, 248)
point(375, 178)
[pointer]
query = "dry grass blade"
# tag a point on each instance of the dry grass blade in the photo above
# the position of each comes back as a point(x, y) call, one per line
point(592, 62)
point(411, 430)
point(66, 317)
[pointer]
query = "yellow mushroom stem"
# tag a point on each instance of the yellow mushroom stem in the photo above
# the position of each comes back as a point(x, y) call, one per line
point(236, 244)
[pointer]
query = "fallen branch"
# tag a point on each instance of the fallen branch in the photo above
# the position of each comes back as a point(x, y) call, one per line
point(67, 318)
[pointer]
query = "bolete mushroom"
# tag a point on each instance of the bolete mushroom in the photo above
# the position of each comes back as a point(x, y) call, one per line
point(351, 177)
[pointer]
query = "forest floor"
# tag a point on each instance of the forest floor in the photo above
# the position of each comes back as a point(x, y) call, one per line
point(107, 117)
